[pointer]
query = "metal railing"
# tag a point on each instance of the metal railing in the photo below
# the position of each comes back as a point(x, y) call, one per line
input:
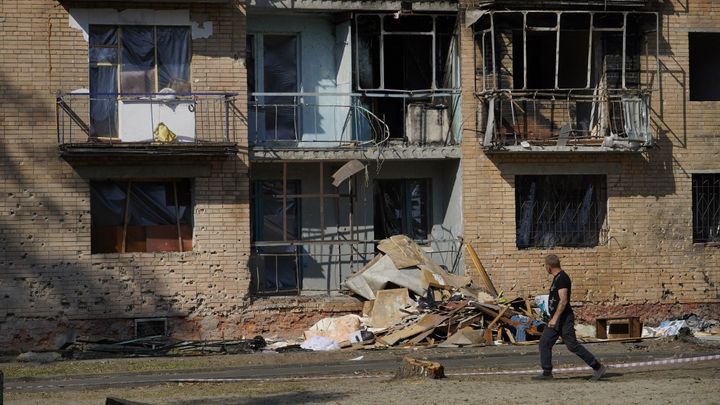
point(706, 207)
point(298, 120)
point(571, 120)
point(153, 117)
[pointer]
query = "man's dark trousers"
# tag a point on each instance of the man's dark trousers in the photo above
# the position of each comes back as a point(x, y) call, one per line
point(566, 329)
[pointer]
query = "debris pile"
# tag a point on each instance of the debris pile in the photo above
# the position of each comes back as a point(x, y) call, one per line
point(411, 300)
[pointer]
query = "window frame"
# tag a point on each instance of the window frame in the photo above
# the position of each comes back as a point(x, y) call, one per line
point(257, 217)
point(125, 213)
point(599, 198)
point(406, 215)
point(433, 33)
point(119, 47)
point(698, 236)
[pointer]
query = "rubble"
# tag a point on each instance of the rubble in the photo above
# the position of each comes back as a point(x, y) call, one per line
point(412, 300)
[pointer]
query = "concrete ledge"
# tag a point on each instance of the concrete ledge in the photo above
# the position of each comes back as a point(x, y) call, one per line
point(409, 152)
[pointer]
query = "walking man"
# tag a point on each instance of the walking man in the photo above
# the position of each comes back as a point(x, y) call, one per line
point(562, 323)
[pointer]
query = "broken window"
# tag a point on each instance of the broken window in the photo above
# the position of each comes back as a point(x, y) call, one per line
point(404, 53)
point(134, 60)
point(273, 59)
point(706, 207)
point(560, 210)
point(276, 218)
point(563, 50)
point(141, 216)
point(396, 55)
point(704, 66)
point(402, 208)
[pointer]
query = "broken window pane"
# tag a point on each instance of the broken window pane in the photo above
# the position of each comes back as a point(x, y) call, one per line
point(145, 220)
point(276, 267)
point(368, 51)
point(408, 62)
point(560, 210)
point(706, 207)
point(540, 59)
point(704, 66)
point(412, 23)
point(574, 43)
point(280, 76)
point(250, 63)
point(401, 207)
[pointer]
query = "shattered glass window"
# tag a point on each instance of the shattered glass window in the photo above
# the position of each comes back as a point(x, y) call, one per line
point(560, 210)
point(402, 207)
point(276, 268)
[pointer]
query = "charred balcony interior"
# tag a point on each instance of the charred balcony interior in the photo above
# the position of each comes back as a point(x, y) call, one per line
point(565, 80)
point(140, 101)
point(340, 82)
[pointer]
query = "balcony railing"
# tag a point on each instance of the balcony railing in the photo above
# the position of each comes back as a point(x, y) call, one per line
point(154, 118)
point(616, 121)
point(340, 120)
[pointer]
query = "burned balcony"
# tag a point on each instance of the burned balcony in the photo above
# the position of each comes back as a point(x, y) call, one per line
point(592, 93)
point(153, 124)
point(281, 121)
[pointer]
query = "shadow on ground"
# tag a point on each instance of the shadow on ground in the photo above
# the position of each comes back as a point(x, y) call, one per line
point(297, 397)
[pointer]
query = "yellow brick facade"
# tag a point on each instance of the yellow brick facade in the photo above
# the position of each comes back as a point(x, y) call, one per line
point(649, 263)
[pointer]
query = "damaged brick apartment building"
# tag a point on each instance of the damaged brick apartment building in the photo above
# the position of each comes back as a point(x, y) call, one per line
point(216, 168)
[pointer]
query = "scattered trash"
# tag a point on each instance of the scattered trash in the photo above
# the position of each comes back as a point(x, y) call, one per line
point(39, 357)
point(320, 344)
point(336, 329)
point(357, 358)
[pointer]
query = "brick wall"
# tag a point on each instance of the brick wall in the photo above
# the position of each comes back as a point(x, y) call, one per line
point(50, 284)
point(650, 264)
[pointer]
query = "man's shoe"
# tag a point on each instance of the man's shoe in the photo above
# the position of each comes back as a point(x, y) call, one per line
point(598, 373)
point(542, 377)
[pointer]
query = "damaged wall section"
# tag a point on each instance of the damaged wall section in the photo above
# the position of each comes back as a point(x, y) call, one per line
point(324, 242)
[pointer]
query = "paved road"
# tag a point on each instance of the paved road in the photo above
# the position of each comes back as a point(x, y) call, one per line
point(369, 368)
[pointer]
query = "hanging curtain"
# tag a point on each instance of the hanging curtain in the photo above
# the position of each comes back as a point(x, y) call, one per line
point(173, 53)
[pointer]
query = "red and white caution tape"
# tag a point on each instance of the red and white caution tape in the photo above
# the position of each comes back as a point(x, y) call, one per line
point(585, 368)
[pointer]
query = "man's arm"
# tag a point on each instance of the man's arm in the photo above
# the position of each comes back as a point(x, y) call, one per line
point(564, 298)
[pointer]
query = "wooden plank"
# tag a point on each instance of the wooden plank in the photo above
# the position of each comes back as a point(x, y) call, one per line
point(481, 271)
point(426, 322)
point(497, 318)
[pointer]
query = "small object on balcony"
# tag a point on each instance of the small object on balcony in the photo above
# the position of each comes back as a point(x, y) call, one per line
point(525, 144)
point(166, 94)
point(163, 134)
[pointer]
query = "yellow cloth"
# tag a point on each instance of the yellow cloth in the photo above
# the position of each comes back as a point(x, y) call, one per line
point(163, 134)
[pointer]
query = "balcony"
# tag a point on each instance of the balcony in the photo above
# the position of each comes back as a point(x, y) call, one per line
point(592, 94)
point(349, 126)
point(147, 125)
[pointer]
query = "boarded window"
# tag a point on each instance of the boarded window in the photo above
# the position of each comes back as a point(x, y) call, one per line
point(401, 207)
point(562, 210)
point(706, 207)
point(141, 216)
point(276, 268)
point(704, 66)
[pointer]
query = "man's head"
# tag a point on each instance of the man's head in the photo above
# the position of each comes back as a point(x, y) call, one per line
point(552, 262)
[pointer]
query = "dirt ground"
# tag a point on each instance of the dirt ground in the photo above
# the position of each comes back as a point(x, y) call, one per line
point(696, 382)
point(692, 384)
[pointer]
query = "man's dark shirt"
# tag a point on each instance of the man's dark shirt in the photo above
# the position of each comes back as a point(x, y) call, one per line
point(561, 280)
